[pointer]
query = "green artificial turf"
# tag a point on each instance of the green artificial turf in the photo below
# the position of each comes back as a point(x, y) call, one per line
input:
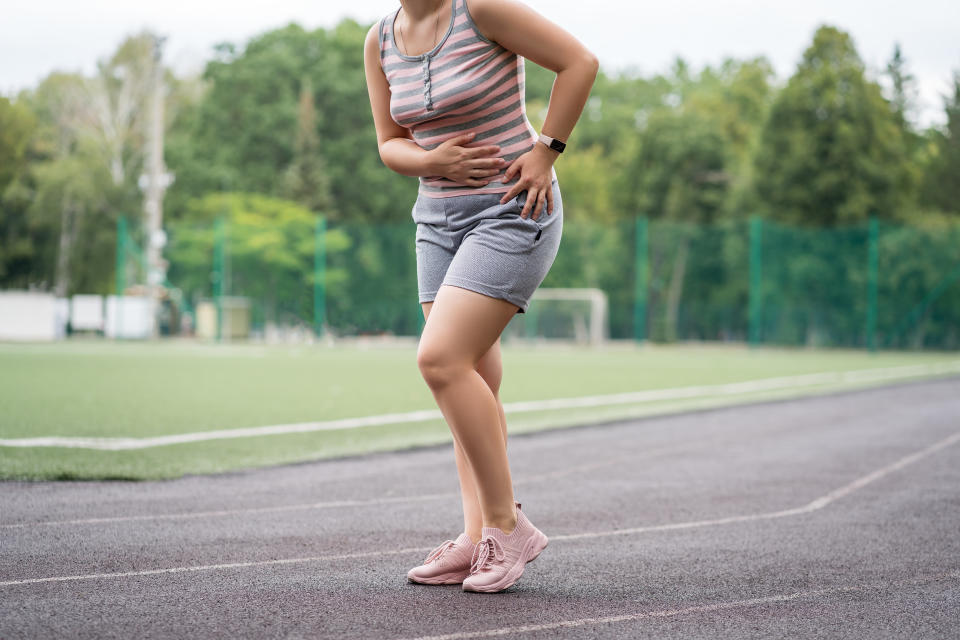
point(104, 389)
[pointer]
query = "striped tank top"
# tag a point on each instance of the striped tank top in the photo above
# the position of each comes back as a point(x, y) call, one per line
point(465, 83)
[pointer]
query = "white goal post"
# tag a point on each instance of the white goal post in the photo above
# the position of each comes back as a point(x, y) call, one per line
point(586, 315)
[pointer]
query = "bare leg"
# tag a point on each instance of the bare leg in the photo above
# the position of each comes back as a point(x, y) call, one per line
point(490, 368)
point(461, 328)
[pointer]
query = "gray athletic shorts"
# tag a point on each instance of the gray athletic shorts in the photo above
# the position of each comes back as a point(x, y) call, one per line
point(476, 243)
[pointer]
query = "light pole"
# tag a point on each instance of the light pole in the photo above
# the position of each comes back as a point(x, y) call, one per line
point(155, 181)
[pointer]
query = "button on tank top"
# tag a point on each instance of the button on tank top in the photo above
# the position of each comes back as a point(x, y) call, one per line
point(465, 83)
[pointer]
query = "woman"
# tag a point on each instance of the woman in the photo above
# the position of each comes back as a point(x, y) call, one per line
point(446, 89)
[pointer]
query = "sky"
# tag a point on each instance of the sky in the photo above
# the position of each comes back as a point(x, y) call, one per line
point(40, 36)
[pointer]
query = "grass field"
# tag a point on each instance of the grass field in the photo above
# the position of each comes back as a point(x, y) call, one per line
point(104, 389)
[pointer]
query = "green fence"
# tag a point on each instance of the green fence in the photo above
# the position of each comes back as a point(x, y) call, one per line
point(875, 285)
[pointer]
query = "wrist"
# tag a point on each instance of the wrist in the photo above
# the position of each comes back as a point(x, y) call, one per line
point(430, 165)
point(546, 152)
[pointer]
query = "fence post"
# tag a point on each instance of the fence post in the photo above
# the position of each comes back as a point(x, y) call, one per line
point(218, 271)
point(640, 285)
point(319, 276)
point(121, 275)
point(121, 255)
point(872, 278)
point(530, 321)
point(756, 279)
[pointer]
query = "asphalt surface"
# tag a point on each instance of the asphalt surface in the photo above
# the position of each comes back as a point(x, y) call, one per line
point(835, 516)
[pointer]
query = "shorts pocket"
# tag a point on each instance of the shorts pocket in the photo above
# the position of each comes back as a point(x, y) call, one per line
point(535, 226)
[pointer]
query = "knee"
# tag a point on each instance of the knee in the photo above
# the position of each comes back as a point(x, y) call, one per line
point(491, 372)
point(437, 367)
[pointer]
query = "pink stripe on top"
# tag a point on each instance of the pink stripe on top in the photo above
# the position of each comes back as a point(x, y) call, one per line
point(466, 83)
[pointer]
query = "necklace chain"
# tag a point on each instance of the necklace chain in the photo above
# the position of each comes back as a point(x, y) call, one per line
point(435, 29)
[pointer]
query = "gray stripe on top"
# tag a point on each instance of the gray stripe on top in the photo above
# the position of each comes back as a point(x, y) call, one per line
point(507, 89)
point(404, 64)
point(510, 79)
point(476, 122)
point(520, 119)
point(441, 84)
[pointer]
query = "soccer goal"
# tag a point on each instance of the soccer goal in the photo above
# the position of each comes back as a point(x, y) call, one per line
point(578, 315)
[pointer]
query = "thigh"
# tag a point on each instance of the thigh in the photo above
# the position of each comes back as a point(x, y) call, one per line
point(490, 365)
point(463, 325)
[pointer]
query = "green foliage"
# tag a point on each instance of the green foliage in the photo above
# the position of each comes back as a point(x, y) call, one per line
point(832, 152)
point(278, 130)
point(269, 252)
point(941, 187)
point(305, 180)
point(679, 168)
point(17, 124)
point(243, 133)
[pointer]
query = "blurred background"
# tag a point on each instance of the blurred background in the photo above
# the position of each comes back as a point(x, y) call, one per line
point(205, 174)
point(237, 193)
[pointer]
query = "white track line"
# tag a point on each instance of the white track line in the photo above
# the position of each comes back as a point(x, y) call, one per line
point(207, 567)
point(665, 613)
point(810, 507)
point(819, 503)
point(637, 397)
point(231, 512)
point(303, 506)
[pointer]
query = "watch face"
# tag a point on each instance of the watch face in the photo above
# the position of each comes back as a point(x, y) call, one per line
point(556, 145)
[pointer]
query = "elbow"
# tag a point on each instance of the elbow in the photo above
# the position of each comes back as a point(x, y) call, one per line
point(383, 155)
point(592, 63)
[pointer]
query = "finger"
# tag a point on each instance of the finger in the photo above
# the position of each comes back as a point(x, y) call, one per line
point(510, 195)
point(531, 197)
point(461, 139)
point(511, 171)
point(550, 200)
point(485, 163)
point(481, 152)
point(484, 172)
point(541, 200)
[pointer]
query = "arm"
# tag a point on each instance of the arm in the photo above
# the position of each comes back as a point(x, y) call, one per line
point(398, 151)
point(520, 29)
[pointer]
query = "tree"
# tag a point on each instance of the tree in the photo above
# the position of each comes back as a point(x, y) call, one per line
point(903, 86)
point(831, 151)
point(17, 248)
point(17, 124)
point(902, 100)
point(67, 194)
point(941, 187)
point(116, 105)
point(305, 181)
point(269, 247)
point(85, 156)
point(243, 132)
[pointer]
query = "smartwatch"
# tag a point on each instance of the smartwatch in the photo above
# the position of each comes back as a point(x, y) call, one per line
point(553, 143)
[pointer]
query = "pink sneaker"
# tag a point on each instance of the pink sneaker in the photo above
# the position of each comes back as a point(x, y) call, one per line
point(499, 559)
point(449, 563)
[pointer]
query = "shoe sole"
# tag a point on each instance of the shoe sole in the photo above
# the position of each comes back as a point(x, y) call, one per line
point(535, 545)
point(444, 578)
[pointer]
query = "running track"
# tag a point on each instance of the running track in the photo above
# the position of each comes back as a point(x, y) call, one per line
point(832, 516)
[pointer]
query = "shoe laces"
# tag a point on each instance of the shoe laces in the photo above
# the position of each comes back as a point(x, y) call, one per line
point(439, 551)
point(488, 551)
